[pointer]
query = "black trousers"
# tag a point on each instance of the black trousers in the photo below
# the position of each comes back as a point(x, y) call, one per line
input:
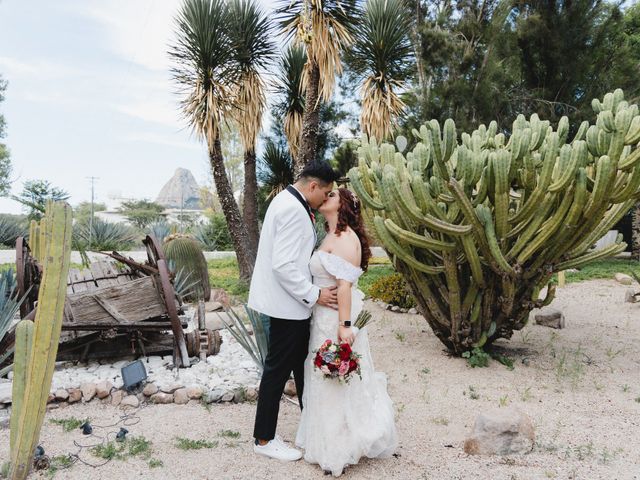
point(288, 348)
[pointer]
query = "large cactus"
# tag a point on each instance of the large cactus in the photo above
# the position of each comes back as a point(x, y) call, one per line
point(478, 226)
point(37, 345)
point(185, 254)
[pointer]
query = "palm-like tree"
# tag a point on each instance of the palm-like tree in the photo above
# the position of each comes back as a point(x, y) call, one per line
point(250, 31)
point(325, 28)
point(380, 57)
point(276, 170)
point(206, 73)
point(290, 84)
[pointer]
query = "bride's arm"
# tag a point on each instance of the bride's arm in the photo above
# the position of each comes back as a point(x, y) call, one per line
point(346, 248)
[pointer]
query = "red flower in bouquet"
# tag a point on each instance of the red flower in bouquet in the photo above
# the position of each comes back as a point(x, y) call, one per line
point(336, 360)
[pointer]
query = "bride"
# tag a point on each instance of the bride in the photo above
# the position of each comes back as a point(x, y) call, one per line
point(341, 422)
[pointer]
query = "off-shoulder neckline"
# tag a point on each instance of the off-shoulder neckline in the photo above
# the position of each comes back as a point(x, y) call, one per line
point(340, 258)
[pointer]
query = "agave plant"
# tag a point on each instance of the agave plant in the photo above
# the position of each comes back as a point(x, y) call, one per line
point(276, 170)
point(11, 228)
point(9, 304)
point(256, 343)
point(160, 229)
point(104, 236)
point(380, 59)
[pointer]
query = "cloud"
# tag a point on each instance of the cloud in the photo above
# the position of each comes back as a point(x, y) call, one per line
point(151, 137)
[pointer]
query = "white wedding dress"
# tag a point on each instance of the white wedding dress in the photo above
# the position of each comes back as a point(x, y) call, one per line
point(340, 422)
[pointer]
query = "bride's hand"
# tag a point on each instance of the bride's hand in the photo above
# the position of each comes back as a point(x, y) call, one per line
point(345, 335)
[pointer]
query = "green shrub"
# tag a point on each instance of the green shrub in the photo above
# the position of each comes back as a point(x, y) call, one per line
point(392, 289)
point(214, 235)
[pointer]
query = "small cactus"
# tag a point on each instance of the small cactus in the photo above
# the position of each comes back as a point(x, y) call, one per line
point(185, 255)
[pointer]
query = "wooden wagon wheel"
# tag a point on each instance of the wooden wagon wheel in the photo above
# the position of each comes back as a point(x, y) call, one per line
point(170, 302)
point(28, 275)
point(154, 250)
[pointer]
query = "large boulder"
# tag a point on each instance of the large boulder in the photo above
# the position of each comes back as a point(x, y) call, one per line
point(502, 431)
point(550, 317)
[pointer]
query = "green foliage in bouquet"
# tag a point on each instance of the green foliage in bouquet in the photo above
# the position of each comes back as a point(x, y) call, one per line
point(477, 223)
point(393, 289)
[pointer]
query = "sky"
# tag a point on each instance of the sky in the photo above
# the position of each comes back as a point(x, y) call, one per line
point(90, 95)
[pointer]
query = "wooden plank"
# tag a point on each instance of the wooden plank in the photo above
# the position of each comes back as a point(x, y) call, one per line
point(136, 301)
point(110, 309)
point(145, 326)
point(88, 279)
point(77, 280)
point(102, 274)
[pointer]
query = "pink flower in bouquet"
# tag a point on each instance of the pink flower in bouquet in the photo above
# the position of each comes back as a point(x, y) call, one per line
point(324, 369)
point(344, 368)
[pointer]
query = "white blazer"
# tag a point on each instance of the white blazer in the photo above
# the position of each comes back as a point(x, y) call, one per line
point(281, 284)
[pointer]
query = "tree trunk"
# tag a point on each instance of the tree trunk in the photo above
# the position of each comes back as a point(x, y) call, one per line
point(250, 205)
point(635, 232)
point(310, 122)
point(245, 254)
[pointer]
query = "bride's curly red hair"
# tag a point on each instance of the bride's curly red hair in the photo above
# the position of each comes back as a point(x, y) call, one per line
point(350, 215)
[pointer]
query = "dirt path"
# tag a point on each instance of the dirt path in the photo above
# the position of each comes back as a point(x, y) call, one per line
point(580, 385)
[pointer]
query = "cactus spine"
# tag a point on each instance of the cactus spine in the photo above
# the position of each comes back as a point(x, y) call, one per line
point(45, 337)
point(477, 223)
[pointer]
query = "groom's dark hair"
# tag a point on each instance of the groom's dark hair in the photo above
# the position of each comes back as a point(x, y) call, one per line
point(319, 170)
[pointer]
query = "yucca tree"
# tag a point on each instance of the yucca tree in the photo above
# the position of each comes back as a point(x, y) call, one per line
point(276, 169)
point(325, 28)
point(381, 58)
point(250, 32)
point(206, 73)
point(289, 83)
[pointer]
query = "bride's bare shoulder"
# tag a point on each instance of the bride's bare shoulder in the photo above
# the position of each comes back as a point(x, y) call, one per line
point(348, 247)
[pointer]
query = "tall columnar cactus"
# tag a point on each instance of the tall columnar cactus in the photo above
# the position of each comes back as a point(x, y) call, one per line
point(185, 254)
point(42, 348)
point(478, 225)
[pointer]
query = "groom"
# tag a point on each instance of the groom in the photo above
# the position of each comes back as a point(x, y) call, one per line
point(281, 288)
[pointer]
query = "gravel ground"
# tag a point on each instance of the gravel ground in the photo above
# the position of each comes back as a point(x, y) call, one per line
point(580, 385)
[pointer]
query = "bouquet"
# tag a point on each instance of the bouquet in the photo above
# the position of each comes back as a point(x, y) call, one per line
point(337, 360)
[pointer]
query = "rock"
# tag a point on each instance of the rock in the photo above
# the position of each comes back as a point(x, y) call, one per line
point(403, 310)
point(212, 306)
point(551, 318)
point(5, 419)
point(180, 396)
point(61, 394)
point(251, 394)
point(51, 398)
point(88, 391)
point(103, 389)
point(238, 395)
point(215, 395)
point(75, 395)
point(630, 295)
point(502, 431)
point(194, 392)
point(150, 389)
point(623, 278)
point(171, 388)
point(395, 308)
point(5, 392)
point(116, 397)
point(227, 397)
point(130, 401)
point(290, 388)
point(220, 296)
point(388, 307)
point(181, 191)
point(162, 398)
point(412, 311)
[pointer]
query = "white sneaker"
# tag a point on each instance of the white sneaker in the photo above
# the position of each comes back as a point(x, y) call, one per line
point(279, 450)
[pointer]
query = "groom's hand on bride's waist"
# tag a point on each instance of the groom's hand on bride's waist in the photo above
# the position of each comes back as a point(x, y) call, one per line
point(329, 297)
